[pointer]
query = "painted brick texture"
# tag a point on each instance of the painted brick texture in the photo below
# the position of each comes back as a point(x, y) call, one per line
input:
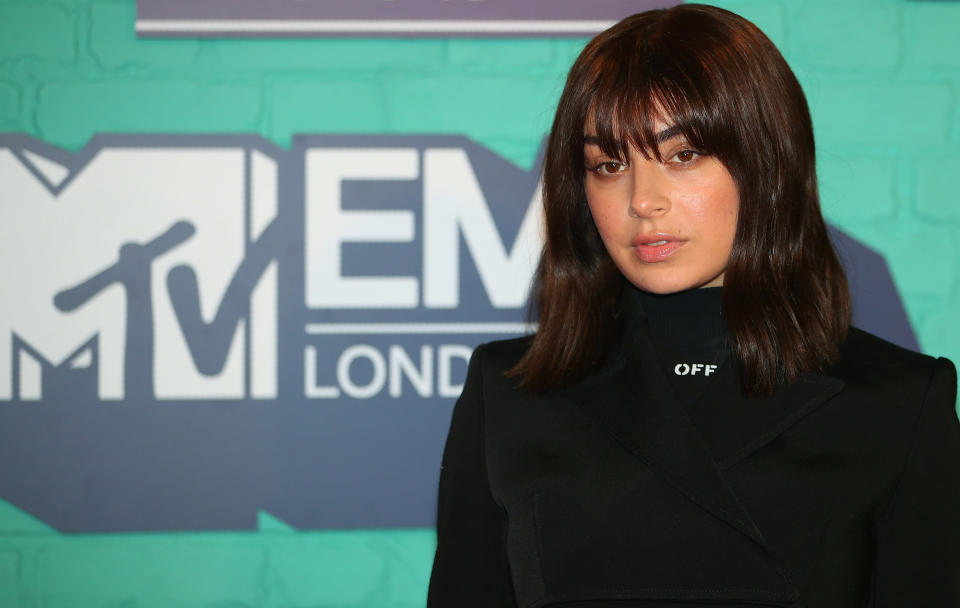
point(71, 112)
point(36, 31)
point(114, 45)
point(9, 103)
point(882, 77)
point(266, 569)
point(9, 578)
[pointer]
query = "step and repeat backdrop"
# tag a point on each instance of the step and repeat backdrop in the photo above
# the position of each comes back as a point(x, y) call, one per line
point(234, 334)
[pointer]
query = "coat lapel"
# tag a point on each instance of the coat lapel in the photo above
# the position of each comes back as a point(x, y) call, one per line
point(635, 402)
point(734, 426)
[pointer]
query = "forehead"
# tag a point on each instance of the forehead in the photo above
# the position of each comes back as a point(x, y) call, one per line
point(661, 129)
point(647, 143)
point(624, 123)
point(620, 121)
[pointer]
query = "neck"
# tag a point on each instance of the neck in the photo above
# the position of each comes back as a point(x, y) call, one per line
point(684, 320)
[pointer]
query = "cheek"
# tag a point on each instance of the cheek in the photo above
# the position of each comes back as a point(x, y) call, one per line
point(725, 220)
point(715, 210)
point(730, 208)
point(608, 211)
point(610, 228)
point(602, 214)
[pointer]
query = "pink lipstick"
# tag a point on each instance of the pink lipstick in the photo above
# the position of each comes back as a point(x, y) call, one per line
point(656, 247)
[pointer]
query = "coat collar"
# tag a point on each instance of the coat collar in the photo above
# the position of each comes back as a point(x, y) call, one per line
point(633, 399)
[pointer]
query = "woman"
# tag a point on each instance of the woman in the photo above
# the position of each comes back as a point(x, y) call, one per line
point(643, 449)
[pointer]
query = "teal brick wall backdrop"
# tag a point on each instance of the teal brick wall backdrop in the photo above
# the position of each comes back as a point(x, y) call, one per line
point(882, 77)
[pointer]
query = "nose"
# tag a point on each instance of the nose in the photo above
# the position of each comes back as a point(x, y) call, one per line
point(649, 197)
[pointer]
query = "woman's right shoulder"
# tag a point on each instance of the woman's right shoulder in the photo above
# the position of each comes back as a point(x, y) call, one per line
point(502, 355)
point(490, 363)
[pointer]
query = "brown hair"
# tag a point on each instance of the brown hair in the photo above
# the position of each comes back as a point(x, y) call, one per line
point(724, 86)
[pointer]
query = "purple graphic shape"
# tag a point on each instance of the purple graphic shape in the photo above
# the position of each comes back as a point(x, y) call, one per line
point(218, 18)
point(877, 306)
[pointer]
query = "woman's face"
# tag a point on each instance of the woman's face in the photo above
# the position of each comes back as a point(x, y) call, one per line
point(668, 226)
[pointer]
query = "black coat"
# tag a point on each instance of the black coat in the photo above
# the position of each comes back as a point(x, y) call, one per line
point(841, 490)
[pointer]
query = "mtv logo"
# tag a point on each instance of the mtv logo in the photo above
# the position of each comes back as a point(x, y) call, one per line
point(128, 269)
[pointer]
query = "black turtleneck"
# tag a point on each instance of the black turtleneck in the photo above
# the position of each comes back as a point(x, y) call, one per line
point(690, 336)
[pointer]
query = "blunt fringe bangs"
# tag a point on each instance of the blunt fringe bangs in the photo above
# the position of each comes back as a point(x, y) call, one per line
point(717, 80)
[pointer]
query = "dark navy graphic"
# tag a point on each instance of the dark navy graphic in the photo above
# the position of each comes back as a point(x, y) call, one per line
point(199, 328)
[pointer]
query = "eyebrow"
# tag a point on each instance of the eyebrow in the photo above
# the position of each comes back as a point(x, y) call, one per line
point(661, 137)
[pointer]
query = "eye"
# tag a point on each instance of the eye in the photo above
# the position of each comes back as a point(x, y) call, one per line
point(686, 157)
point(608, 167)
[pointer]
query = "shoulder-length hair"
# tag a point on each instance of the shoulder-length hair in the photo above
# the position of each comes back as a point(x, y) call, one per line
point(724, 86)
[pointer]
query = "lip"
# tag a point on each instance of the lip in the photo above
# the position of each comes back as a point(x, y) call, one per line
point(656, 253)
